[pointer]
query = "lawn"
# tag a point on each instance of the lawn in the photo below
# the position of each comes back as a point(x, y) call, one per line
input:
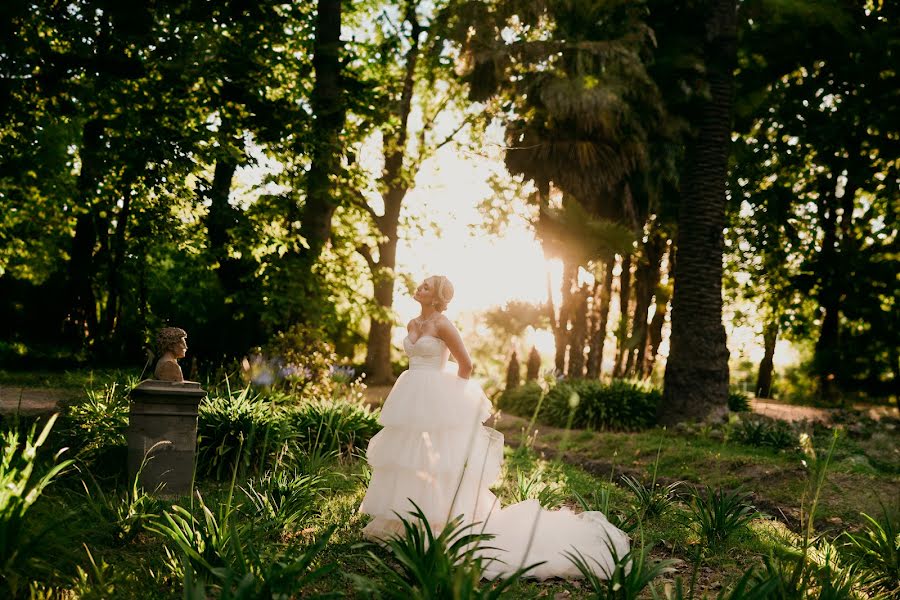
point(290, 526)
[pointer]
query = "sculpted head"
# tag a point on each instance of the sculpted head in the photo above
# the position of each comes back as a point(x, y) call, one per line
point(172, 340)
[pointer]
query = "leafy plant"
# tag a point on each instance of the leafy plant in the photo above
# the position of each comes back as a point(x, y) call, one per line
point(738, 402)
point(98, 581)
point(876, 552)
point(548, 494)
point(619, 405)
point(21, 484)
point(283, 498)
point(333, 425)
point(126, 513)
point(446, 565)
point(207, 544)
point(760, 431)
point(653, 500)
point(254, 576)
point(748, 587)
point(238, 430)
point(718, 514)
point(631, 573)
point(96, 425)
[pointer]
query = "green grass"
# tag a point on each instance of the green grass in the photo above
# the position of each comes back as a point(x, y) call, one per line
point(77, 379)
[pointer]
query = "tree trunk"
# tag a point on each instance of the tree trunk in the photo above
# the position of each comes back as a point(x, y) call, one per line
point(831, 274)
point(561, 331)
point(395, 186)
point(663, 294)
point(625, 313)
point(601, 315)
point(117, 258)
point(766, 365)
point(220, 221)
point(646, 281)
point(579, 334)
point(330, 112)
point(81, 269)
point(696, 379)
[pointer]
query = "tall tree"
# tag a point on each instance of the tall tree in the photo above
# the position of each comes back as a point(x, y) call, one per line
point(413, 69)
point(696, 378)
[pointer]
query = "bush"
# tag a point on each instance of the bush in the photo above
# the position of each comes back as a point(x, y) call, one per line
point(522, 400)
point(238, 427)
point(590, 404)
point(762, 431)
point(738, 402)
point(299, 360)
point(95, 427)
point(333, 425)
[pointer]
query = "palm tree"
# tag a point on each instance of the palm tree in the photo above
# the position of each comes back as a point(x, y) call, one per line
point(696, 377)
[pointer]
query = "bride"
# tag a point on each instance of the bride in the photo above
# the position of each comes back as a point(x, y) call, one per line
point(435, 451)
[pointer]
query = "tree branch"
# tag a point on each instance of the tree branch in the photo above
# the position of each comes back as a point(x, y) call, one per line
point(366, 253)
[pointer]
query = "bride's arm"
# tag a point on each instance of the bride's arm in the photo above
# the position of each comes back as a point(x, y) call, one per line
point(448, 332)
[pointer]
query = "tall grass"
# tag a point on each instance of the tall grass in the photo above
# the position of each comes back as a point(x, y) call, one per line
point(22, 482)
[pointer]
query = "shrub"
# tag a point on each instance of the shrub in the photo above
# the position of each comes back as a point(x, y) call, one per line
point(590, 404)
point(283, 498)
point(299, 359)
point(95, 427)
point(238, 427)
point(333, 425)
point(738, 402)
point(757, 430)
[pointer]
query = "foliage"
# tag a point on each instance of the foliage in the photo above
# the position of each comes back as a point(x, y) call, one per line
point(876, 551)
point(757, 430)
point(738, 402)
point(238, 429)
point(549, 494)
point(620, 405)
point(328, 425)
point(631, 573)
point(300, 360)
point(435, 565)
point(719, 514)
point(748, 587)
point(653, 500)
point(283, 498)
point(22, 482)
point(125, 513)
point(97, 424)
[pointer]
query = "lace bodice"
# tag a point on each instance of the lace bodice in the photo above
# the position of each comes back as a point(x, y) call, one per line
point(428, 352)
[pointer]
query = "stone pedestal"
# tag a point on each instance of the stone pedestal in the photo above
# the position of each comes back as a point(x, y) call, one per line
point(162, 427)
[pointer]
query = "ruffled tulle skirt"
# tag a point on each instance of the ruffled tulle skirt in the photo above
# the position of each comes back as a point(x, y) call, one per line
point(434, 451)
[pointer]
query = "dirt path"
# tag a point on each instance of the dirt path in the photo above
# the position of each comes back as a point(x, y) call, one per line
point(33, 401)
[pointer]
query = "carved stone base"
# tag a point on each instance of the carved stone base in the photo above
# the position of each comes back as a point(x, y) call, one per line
point(162, 431)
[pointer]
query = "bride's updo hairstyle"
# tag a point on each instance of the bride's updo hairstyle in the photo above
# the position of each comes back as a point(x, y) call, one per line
point(443, 292)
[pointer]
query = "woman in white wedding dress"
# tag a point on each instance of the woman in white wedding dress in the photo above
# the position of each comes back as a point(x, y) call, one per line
point(435, 451)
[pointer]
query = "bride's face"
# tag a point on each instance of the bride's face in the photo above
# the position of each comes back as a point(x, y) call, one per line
point(425, 292)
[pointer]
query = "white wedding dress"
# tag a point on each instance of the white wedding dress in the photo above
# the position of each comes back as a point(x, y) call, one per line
point(434, 450)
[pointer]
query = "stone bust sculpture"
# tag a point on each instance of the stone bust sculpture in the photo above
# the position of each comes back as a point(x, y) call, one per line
point(172, 345)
